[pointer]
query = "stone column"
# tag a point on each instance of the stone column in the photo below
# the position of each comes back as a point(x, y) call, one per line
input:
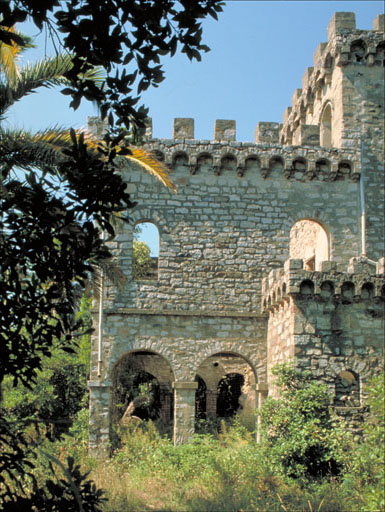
point(184, 411)
point(262, 391)
point(99, 435)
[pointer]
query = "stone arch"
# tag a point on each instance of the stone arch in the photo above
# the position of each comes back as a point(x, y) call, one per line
point(299, 164)
point(217, 371)
point(347, 389)
point(327, 289)
point(159, 155)
point(367, 291)
point(326, 121)
point(276, 163)
point(142, 387)
point(140, 214)
point(252, 164)
point(228, 163)
point(306, 288)
point(204, 162)
point(309, 242)
point(358, 51)
point(347, 292)
point(345, 168)
point(180, 160)
point(323, 165)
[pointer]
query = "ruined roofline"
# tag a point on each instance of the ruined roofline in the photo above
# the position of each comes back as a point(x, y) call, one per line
point(362, 282)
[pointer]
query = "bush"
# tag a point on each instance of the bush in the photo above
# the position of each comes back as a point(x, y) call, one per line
point(301, 435)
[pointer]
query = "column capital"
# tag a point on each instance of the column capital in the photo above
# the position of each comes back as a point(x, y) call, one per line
point(185, 385)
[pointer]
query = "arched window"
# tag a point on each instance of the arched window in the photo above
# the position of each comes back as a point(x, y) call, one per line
point(347, 389)
point(145, 251)
point(309, 242)
point(229, 392)
point(358, 51)
point(326, 127)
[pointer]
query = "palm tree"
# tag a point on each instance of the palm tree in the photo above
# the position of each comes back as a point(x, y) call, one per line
point(44, 150)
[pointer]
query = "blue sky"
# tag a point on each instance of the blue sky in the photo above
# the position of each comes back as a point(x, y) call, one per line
point(259, 52)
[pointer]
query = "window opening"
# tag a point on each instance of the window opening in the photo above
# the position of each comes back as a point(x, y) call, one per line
point(145, 251)
point(309, 242)
point(347, 389)
point(326, 127)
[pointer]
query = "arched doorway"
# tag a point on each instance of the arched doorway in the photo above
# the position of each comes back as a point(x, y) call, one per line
point(142, 390)
point(309, 242)
point(230, 383)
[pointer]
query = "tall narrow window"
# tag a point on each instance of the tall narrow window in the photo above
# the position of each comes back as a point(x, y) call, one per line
point(145, 251)
point(326, 127)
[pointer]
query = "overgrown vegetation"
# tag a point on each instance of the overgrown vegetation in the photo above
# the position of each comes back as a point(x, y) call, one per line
point(231, 472)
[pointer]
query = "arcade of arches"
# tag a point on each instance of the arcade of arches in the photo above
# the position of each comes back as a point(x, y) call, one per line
point(142, 389)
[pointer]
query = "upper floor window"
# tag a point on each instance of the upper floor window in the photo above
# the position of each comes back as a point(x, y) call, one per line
point(309, 242)
point(145, 251)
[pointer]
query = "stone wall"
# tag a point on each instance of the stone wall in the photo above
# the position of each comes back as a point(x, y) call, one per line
point(223, 293)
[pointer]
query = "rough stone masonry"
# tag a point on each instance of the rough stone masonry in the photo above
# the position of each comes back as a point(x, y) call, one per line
point(271, 251)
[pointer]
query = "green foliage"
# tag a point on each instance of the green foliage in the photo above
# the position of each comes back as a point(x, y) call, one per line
point(60, 390)
point(142, 262)
point(301, 435)
point(367, 466)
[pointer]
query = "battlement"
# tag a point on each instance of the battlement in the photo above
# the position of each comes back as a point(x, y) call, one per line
point(221, 157)
point(346, 46)
point(363, 282)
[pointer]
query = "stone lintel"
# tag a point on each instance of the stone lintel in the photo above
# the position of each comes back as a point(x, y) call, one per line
point(379, 23)
point(185, 385)
point(341, 21)
point(183, 128)
point(99, 384)
point(224, 129)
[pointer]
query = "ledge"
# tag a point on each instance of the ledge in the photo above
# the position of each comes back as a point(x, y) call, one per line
point(165, 312)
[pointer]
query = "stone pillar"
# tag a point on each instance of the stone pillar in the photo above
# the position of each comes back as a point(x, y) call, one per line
point(99, 435)
point(262, 391)
point(184, 411)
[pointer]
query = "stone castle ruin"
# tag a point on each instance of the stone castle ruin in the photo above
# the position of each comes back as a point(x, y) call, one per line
point(271, 251)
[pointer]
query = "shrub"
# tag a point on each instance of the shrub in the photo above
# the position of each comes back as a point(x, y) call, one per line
point(299, 431)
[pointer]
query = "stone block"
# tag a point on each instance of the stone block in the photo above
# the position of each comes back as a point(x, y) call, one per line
point(224, 129)
point(267, 132)
point(295, 97)
point(379, 23)
point(183, 128)
point(307, 135)
point(341, 22)
point(318, 53)
point(293, 265)
point(306, 78)
point(286, 114)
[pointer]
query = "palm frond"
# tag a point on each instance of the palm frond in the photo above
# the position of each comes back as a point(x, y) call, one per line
point(44, 73)
point(152, 166)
